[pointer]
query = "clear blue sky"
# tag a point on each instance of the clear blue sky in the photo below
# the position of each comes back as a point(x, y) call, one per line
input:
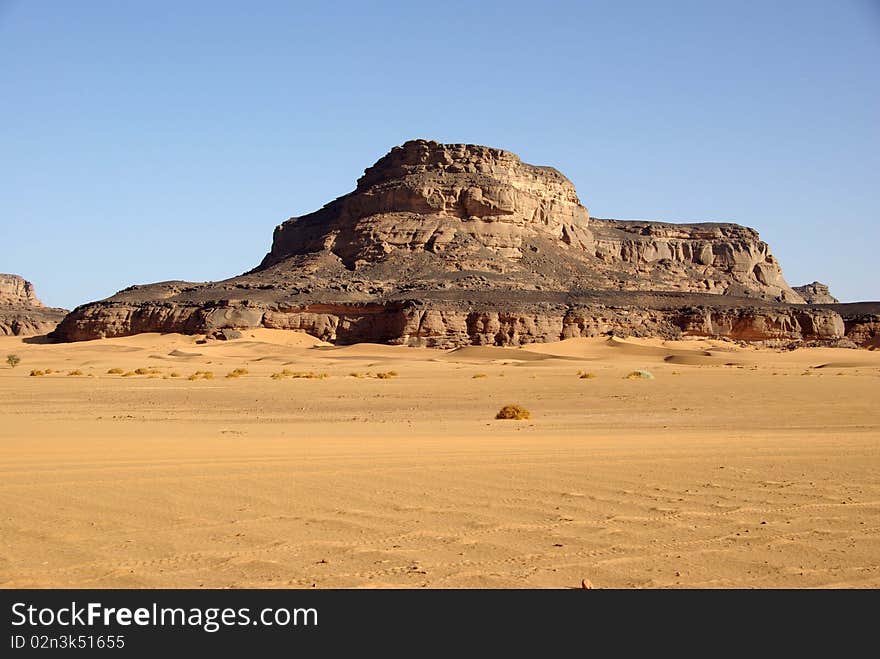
point(146, 141)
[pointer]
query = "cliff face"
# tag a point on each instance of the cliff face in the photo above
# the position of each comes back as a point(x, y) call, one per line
point(15, 290)
point(445, 245)
point(21, 313)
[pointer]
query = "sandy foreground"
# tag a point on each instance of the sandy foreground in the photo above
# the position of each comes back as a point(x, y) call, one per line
point(734, 467)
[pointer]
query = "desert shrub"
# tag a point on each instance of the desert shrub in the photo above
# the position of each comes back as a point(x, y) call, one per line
point(309, 375)
point(202, 375)
point(237, 372)
point(355, 374)
point(640, 375)
point(147, 371)
point(115, 371)
point(586, 375)
point(13, 360)
point(517, 412)
point(37, 373)
point(48, 371)
point(75, 372)
point(386, 375)
point(479, 375)
point(175, 374)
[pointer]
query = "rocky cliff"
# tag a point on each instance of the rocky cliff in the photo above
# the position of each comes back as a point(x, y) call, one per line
point(816, 293)
point(21, 313)
point(451, 244)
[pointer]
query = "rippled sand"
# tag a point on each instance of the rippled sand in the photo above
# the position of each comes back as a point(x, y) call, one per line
point(733, 467)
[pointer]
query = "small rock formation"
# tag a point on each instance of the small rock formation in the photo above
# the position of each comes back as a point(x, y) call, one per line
point(21, 313)
point(863, 325)
point(443, 245)
point(816, 293)
point(225, 335)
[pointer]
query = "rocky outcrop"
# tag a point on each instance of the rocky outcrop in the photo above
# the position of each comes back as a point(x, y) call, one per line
point(451, 244)
point(816, 293)
point(864, 330)
point(15, 290)
point(446, 324)
point(451, 208)
point(21, 313)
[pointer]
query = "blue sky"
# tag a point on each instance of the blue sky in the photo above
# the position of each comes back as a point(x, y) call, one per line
point(164, 140)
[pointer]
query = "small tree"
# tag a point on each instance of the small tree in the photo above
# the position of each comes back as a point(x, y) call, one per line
point(13, 360)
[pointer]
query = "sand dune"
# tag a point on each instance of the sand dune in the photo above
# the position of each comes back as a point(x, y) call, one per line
point(717, 476)
point(702, 359)
point(494, 354)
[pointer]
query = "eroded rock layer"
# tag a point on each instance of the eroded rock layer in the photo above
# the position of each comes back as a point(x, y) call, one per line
point(450, 244)
point(816, 293)
point(21, 313)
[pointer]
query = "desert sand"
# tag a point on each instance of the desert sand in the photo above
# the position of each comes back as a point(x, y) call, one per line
point(733, 467)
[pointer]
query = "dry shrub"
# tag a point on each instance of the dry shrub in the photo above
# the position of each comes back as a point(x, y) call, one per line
point(37, 373)
point(479, 375)
point(309, 375)
point(236, 373)
point(586, 375)
point(517, 412)
point(75, 372)
point(147, 371)
point(175, 374)
point(640, 375)
point(115, 371)
point(376, 376)
point(202, 375)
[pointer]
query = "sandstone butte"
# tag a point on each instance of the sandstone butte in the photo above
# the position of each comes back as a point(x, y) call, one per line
point(443, 245)
point(21, 312)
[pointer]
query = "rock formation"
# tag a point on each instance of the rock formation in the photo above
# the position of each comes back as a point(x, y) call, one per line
point(451, 244)
point(21, 313)
point(816, 293)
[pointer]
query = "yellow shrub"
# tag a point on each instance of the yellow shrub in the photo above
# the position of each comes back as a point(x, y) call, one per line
point(517, 412)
